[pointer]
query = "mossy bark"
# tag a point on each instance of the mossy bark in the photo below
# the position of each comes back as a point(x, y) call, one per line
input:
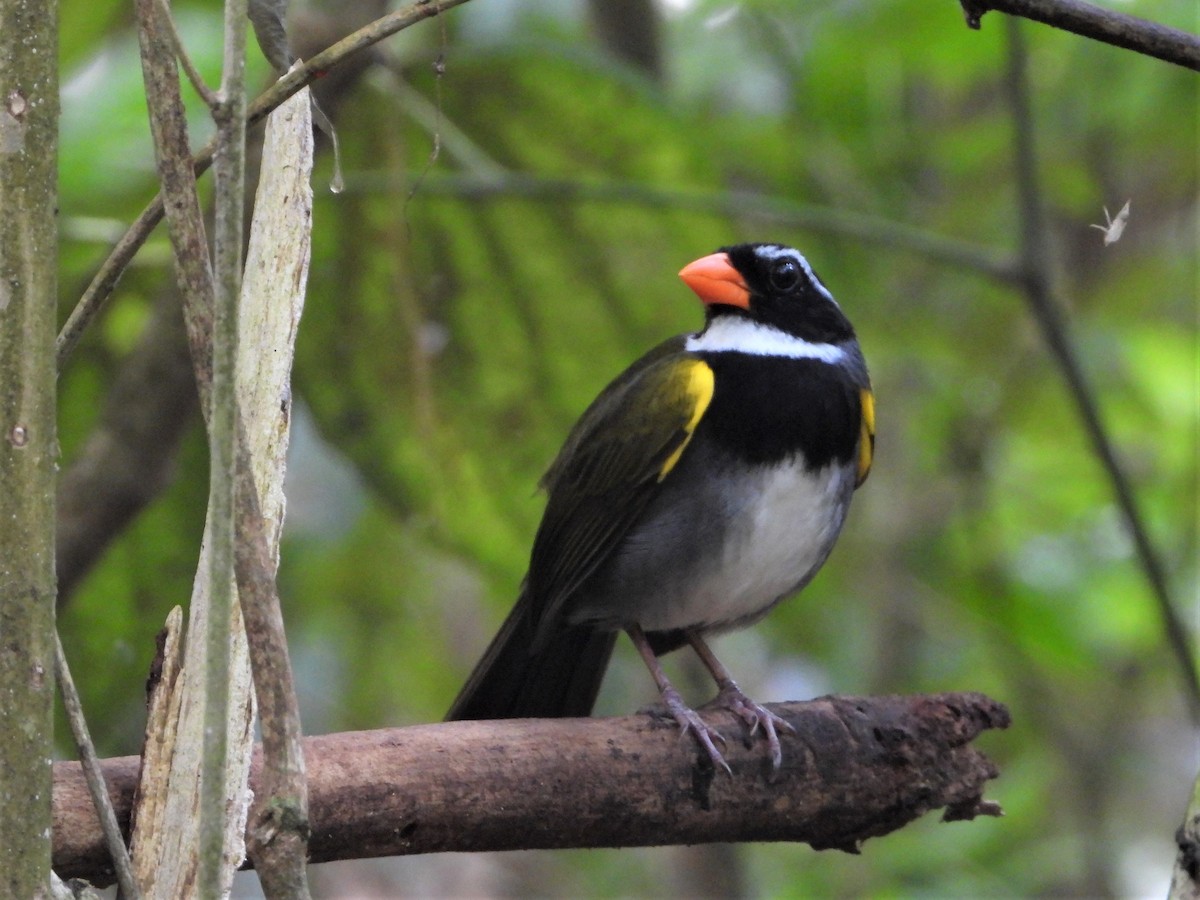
point(28, 445)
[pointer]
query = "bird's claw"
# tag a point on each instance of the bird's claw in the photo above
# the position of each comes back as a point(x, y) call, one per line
point(756, 716)
point(689, 721)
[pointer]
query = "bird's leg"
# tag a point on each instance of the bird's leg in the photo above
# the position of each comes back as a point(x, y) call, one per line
point(730, 697)
point(688, 718)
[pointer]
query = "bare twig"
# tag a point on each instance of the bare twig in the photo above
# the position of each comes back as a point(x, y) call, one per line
point(282, 810)
point(215, 581)
point(858, 767)
point(105, 280)
point(185, 221)
point(1098, 23)
point(229, 175)
point(256, 588)
point(130, 455)
point(1039, 293)
point(168, 26)
point(101, 286)
point(496, 183)
point(93, 773)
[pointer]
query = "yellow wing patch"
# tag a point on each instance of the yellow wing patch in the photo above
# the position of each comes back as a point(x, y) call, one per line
point(866, 439)
point(697, 386)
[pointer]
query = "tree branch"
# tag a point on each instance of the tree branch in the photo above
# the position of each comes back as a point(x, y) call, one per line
point(281, 813)
point(123, 252)
point(229, 179)
point(279, 817)
point(1044, 306)
point(185, 61)
point(1097, 23)
point(94, 775)
point(737, 204)
point(858, 767)
point(130, 456)
point(213, 713)
point(172, 152)
point(29, 108)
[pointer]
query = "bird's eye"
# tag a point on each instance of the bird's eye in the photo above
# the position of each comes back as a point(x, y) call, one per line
point(785, 274)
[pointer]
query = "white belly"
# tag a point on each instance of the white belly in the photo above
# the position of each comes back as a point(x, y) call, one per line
point(783, 529)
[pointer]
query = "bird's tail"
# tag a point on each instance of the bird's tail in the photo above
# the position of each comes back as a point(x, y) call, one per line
point(561, 677)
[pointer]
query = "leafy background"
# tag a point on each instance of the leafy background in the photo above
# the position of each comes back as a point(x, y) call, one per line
point(465, 306)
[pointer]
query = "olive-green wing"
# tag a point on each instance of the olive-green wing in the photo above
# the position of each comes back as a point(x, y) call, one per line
point(610, 467)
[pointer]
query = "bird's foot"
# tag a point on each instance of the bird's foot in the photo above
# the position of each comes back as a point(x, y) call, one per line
point(756, 716)
point(689, 721)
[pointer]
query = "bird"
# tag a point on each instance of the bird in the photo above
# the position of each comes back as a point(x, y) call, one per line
point(706, 483)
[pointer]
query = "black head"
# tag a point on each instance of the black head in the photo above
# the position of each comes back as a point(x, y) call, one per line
point(785, 292)
point(771, 284)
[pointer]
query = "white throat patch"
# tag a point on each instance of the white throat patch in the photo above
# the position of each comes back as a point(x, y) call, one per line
point(740, 335)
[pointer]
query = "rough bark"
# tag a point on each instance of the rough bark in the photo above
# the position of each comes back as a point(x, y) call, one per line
point(28, 441)
point(198, 843)
point(858, 767)
point(272, 299)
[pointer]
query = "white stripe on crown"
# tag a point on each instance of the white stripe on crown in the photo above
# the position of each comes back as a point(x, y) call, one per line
point(775, 251)
point(740, 335)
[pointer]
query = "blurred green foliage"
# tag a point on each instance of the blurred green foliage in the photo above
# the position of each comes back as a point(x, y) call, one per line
point(464, 309)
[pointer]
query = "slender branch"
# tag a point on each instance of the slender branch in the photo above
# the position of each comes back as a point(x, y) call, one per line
point(113, 839)
point(254, 577)
point(858, 767)
point(102, 285)
point(214, 598)
point(185, 220)
point(251, 556)
point(1100, 24)
point(739, 204)
point(1039, 293)
point(168, 23)
point(229, 188)
point(105, 280)
point(130, 456)
point(279, 826)
point(310, 70)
